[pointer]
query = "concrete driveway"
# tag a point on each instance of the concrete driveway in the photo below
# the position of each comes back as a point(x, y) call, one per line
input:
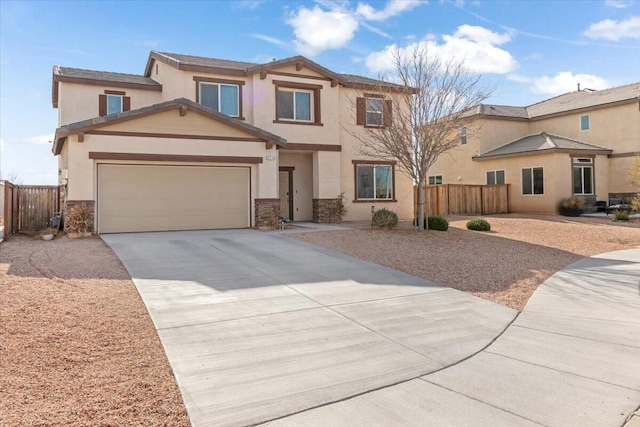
point(258, 327)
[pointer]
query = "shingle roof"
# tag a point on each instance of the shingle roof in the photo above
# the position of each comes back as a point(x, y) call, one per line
point(209, 62)
point(571, 101)
point(361, 80)
point(106, 76)
point(539, 144)
point(584, 99)
point(97, 122)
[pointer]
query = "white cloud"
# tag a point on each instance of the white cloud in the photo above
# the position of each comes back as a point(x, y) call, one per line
point(519, 78)
point(566, 81)
point(615, 30)
point(2, 144)
point(148, 43)
point(375, 30)
point(392, 8)
point(619, 4)
point(270, 39)
point(317, 30)
point(41, 139)
point(476, 46)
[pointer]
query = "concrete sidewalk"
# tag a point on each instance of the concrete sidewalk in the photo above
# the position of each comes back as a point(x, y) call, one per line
point(258, 327)
point(572, 358)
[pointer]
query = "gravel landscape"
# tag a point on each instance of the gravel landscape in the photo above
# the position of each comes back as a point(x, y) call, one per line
point(77, 346)
point(504, 265)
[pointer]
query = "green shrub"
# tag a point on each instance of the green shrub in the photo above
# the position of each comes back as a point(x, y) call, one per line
point(384, 218)
point(437, 223)
point(478, 224)
point(621, 215)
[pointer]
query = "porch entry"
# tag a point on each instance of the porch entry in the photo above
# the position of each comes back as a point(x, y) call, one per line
point(286, 192)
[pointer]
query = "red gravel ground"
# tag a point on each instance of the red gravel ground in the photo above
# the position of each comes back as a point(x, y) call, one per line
point(77, 346)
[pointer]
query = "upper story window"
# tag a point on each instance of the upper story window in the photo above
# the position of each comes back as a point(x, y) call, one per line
point(584, 122)
point(294, 104)
point(374, 181)
point(113, 102)
point(495, 177)
point(532, 181)
point(373, 111)
point(463, 135)
point(221, 95)
point(297, 103)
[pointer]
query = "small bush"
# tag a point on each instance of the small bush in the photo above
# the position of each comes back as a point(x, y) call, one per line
point(573, 202)
point(437, 223)
point(621, 215)
point(384, 218)
point(478, 224)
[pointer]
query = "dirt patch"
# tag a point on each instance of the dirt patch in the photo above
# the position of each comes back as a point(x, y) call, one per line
point(77, 346)
point(505, 265)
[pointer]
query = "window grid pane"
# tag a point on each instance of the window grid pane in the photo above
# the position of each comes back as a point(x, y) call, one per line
point(500, 177)
point(209, 96)
point(114, 104)
point(365, 182)
point(584, 122)
point(229, 100)
point(538, 181)
point(491, 178)
point(383, 182)
point(285, 105)
point(527, 184)
point(374, 111)
point(303, 106)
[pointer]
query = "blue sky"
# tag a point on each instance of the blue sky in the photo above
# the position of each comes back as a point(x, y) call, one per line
point(529, 50)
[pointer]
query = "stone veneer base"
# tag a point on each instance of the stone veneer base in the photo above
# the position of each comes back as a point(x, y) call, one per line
point(324, 211)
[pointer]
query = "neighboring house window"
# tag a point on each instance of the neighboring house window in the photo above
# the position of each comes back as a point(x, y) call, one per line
point(374, 111)
point(463, 135)
point(221, 95)
point(113, 102)
point(294, 104)
point(582, 175)
point(532, 181)
point(584, 122)
point(297, 103)
point(374, 181)
point(495, 177)
point(435, 179)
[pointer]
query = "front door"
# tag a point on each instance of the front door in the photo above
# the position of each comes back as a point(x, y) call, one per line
point(286, 192)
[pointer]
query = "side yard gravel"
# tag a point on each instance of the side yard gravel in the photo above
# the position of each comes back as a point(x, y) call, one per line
point(505, 265)
point(77, 346)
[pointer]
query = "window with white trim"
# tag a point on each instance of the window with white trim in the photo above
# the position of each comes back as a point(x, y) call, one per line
point(463, 135)
point(434, 179)
point(584, 122)
point(224, 98)
point(495, 177)
point(374, 182)
point(374, 111)
point(532, 181)
point(295, 104)
point(114, 104)
point(582, 175)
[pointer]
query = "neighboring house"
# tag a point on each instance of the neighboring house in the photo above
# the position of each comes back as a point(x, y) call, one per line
point(580, 143)
point(203, 143)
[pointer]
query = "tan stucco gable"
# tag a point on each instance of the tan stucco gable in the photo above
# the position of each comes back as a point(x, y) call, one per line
point(180, 118)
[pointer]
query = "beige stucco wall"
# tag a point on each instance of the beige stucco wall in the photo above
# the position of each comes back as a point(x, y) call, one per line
point(302, 183)
point(619, 180)
point(77, 102)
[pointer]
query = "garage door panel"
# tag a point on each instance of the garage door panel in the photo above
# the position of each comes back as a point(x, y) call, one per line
point(155, 198)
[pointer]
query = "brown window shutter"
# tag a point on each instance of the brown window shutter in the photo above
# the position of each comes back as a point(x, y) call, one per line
point(102, 105)
point(388, 113)
point(361, 112)
point(126, 103)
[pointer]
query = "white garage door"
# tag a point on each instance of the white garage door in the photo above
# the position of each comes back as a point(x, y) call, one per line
point(161, 198)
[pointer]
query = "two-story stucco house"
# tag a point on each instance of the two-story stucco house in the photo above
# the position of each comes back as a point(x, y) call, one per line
point(580, 143)
point(203, 143)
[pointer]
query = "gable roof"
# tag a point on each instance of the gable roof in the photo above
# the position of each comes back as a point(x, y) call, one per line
point(88, 125)
point(542, 143)
point(240, 68)
point(581, 100)
point(99, 78)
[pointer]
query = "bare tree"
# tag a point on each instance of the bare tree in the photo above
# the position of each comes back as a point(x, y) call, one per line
point(429, 105)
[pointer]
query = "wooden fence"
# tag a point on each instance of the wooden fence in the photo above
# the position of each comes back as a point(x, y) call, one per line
point(450, 199)
point(29, 208)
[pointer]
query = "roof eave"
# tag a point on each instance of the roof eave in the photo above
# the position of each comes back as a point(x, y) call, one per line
point(540, 152)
